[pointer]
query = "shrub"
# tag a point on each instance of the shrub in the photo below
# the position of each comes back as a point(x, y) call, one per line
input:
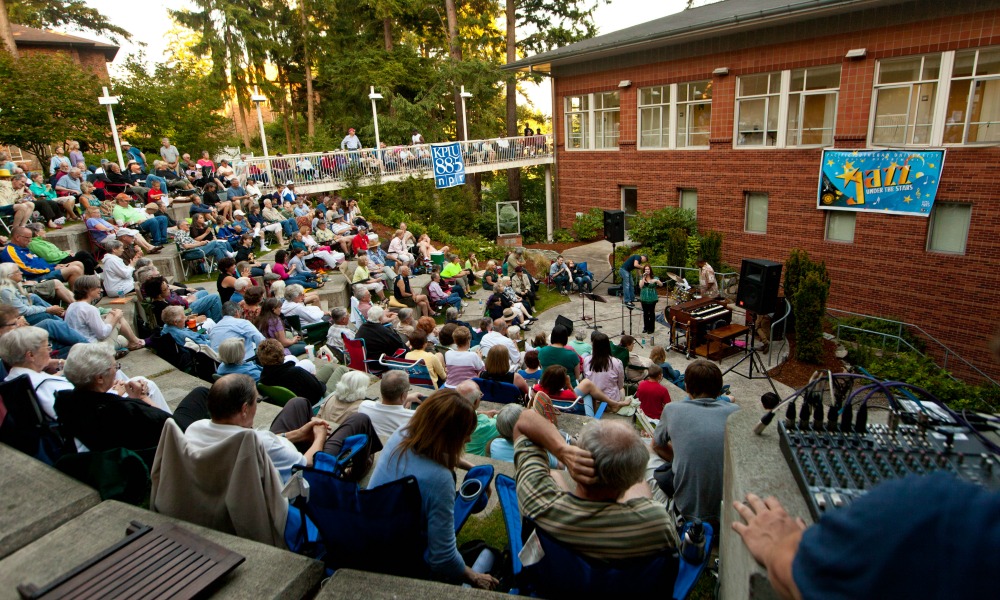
point(809, 290)
point(676, 247)
point(647, 228)
point(562, 236)
point(693, 251)
point(711, 249)
point(589, 226)
point(921, 371)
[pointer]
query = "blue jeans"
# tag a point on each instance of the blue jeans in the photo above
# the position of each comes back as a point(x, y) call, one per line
point(156, 227)
point(289, 226)
point(628, 289)
point(61, 335)
point(454, 299)
point(207, 304)
point(217, 248)
point(582, 282)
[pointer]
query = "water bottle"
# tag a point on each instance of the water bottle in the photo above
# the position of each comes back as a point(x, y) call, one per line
point(484, 563)
point(693, 544)
point(311, 352)
point(121, 293)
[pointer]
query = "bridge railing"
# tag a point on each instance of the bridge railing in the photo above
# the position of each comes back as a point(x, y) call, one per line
point(338, 167)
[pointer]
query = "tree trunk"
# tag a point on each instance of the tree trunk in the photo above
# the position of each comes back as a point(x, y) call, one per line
point(242, 109)
point(310, 102)
point(293, 114)
point(387, 33)
point(5, 33)
point(513, 175)
point(455, 54)
point(283, 106)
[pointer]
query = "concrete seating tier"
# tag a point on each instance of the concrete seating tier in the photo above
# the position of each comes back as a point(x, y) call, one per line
point(268, 572)
point(36, 500)
point(71, 238)
point(349, 584)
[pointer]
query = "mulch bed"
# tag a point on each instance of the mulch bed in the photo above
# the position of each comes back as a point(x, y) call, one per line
point(795, 373)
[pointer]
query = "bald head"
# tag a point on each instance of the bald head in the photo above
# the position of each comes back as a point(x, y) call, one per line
point(470, 391)
point(229, 395)
point(499, 325)
point(620, 457)
point(394, 387)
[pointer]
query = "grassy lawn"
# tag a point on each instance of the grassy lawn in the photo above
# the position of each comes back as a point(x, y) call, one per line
point(547, 299)
point(489, 529)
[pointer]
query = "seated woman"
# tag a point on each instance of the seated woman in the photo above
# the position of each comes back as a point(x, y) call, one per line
point(117, 275)
point(287, 273)
point(297, 265)
point(346, 397)
point(83, 316)
point(606, 371)
point(172, 318)
point(156, 291)
point(226, 281)
point(30, 306)
point(419, 351)
point(490, 275)
point(658, 356)
point(498, 369)
point(461, 364)
point(280, 371)
point(250, 305)
point(430, 448)
point(231, 355)
point(531, 372)
point(555, 384)
point(258, 221)
point(270, 324)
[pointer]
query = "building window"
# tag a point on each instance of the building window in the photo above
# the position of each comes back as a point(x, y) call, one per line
point(592, 121)
point(689, 201)
point(688, 106)
point(949, 227)
point(973, 112)
point(756, 213)
point(905, 92)
point(787, 108)
point(840, 225)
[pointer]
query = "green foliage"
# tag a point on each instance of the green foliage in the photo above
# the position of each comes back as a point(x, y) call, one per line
point(795, 267)
point(676, 247)
point(48, 99)
point(711, 248)
point(58, 13)
point(532, 203)
point(152, 102)
point(589, 226)
point(647, 228)
point(881, 326)
point(562, 236)
point(693, 250)
point(921, 371)
point(807, 285)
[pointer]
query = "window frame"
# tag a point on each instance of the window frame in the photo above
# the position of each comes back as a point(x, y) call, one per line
point(748, 196)
point(783, 97)
point(973, 79)
point(670, 115)
point(680, 199)
point(909, 128)
point(831, 215)
point(590, 116)
point(932, 223)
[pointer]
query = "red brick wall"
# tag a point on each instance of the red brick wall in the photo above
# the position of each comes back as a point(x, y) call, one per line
point(92, 60)
point(887, 270)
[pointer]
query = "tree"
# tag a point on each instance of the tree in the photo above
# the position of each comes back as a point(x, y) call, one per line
point(54, 100)
point(5, 33)
point(62, 13)
point(807, 285)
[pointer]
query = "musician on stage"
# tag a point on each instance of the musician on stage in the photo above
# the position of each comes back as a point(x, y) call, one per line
point(631, 264)
point(706, 279)
point(648, 297)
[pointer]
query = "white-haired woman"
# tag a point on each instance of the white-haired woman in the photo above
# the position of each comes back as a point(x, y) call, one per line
point(84, 317)
point(30, 306)
point(346, 397)
point(516, 302)
point(117, 276)
point(232, 352)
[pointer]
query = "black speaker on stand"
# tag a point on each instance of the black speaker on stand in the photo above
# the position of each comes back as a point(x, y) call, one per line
point(614, 226)
point(759, 281)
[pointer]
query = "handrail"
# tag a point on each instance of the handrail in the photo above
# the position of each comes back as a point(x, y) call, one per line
point(342, 166)
point(898, 337)
point(784, 332)
point(722, 279)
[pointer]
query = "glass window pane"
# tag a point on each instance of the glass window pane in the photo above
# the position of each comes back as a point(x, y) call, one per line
point(751, 122)
point(964, 61)
point(988, 63)
point(840, 226)
point(891, 115)
point(922, 111)
point(798, 80)
point(898, 71)
point(753, 85)
point(694, 125)
point(958, 99)
point(576, 131)
point(818, 113)
point(823, 78)
point(984, 117)
point(689, 200)
point(949, 227)
point(608, 100)
point(932, 67)
point(756, 213)
point(653, 129)
point(607, 129)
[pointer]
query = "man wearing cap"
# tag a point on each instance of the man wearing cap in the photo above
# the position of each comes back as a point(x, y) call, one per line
point(135, 154)
point(217, 248)
point(33, 266)
point(287, 194)
point(169, 154)
point(124, 214)
point(137, 178)
point(237, 194)
point(498, 337)
point(350, 141)
point(99, 229)
point(14, 202)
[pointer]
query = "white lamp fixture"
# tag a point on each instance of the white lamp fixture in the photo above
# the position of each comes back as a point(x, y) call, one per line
point(856, 53)
point(109, 101)
point(373, 96)
point(465, 124)
point(625, 83)
point(721, 71)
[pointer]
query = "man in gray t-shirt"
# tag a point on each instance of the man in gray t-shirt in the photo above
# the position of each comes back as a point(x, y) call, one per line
point(691, 436)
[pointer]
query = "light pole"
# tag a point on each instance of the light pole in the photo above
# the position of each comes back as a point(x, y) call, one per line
point(465, 124)
point(109, 101)
point(259, 99)
point(373, 96)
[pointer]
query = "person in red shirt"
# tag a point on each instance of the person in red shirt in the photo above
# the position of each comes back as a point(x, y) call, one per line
point(651, 393)
point(359, 243)
point(155, 193)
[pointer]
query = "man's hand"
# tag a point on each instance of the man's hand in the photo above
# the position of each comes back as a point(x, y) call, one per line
point(56, 310)
point(489, 413)
point(772, 537)
point(579, 463)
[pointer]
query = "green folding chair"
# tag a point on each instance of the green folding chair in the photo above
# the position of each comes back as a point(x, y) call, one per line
point(275, 394)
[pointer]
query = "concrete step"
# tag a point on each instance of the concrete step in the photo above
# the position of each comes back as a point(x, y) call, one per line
point(36, 500)
point(268, 572)
point(350, 584)
point(71, 238)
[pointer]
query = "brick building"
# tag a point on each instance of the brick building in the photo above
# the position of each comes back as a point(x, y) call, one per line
point(91, 55)
point(726, 109)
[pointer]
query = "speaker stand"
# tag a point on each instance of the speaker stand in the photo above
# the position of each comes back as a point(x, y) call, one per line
point(756, 364)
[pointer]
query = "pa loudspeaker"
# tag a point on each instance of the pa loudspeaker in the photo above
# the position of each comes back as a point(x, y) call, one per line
point(567, 323)
point(614, 226)
point(759, 281)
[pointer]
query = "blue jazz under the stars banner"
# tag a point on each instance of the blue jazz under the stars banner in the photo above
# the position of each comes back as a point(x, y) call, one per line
point(449, 168)
point(898, 182)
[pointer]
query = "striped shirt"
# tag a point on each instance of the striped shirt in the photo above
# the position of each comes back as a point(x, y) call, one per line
point(601, 530)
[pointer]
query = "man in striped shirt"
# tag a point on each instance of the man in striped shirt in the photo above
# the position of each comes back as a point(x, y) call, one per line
point(610, 513)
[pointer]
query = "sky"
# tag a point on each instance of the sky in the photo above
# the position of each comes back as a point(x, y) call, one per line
point(618, 14)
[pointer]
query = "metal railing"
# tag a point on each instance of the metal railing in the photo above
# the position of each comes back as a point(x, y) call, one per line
point(727, 281)
point(900, 341)
point(336, 168)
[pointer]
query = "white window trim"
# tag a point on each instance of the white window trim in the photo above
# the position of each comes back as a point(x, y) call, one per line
point(591, 113)
point(784, 98)
point(826, 229)
point(965, 242)
point(746, 212)
point(968, 105)
point(672, 121)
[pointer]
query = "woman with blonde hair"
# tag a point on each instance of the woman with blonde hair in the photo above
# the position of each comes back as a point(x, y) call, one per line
point(430, 448)
point(30, 306)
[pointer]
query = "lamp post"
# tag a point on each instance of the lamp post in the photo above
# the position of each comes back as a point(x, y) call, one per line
point(259, 99)
point(465, 124)
point(373, 96)
point(109, 101)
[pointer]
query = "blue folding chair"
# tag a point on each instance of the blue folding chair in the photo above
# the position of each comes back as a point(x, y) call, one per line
point(415, 369)
point(562, 572)
point(499, 392)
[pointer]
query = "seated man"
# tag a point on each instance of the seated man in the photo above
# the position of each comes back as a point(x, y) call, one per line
point(378, 338)
point(295, 304)
point(126, 215)
point(691, 438)
point(340, 324)
point(609, 513)
point(34, 267)
point(295, 436)
point(232, 326)
point(486, 420)
point(392, 411)
point(561, 275)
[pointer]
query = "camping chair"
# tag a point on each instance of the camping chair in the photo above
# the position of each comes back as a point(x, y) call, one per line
point(415, 369)
point(275, 394)
point(358, 358)
point(116, 473)
point(314, 333)
point(193, 259)
point(562, 572)
point(499, 392)
point(24, 425)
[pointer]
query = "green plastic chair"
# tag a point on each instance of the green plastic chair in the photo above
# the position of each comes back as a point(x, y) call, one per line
point(275, 394)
